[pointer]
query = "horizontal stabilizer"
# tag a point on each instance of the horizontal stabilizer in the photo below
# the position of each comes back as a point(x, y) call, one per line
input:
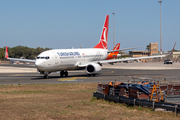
point(17, 59)
point(122, 49)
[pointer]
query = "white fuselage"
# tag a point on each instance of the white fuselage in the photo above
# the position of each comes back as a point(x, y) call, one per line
point(68, 59)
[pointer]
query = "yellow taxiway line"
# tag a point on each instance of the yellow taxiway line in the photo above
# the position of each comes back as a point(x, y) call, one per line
point(71, 79)
point(108, 73)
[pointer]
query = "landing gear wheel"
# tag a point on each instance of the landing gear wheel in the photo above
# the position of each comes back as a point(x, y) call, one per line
point(89, 74)
point(46, 76)
point(66, 73)
point(62, 73)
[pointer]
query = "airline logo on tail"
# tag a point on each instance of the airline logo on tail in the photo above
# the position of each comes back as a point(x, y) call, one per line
point(6, 53)
point(117, 47)
point(104, 36)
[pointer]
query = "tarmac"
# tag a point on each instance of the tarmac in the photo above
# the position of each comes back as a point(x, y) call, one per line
point(27, 74)
point(21, 68)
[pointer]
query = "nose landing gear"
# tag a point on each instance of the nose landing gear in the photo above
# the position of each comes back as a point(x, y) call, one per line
point(46, 75)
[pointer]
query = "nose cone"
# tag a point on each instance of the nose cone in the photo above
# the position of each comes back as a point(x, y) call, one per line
point(39, 64)
point(41, 61)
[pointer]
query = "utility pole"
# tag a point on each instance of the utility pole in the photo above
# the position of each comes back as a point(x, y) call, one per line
point(160, 27)
point(113, 32)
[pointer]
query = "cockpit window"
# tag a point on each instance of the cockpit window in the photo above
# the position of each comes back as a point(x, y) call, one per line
point(47, 57)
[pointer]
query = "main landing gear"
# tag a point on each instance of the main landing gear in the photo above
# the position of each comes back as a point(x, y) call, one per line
point(64, 73)
point(91, 74)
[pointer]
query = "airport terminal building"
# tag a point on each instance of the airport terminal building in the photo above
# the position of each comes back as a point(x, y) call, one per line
point(152, 49)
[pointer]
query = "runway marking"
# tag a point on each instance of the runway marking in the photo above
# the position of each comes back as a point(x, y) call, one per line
point(71, 79)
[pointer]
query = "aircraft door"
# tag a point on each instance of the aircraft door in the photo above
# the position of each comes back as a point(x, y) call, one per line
point(56, 59)
point(100, 55)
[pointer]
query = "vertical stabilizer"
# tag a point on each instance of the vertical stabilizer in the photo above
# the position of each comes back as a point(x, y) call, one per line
point(104, 35)
point(114, 54)
point(116, 48)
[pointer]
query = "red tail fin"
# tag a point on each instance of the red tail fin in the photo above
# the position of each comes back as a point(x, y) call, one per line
point(6, 53)
point(104, 36)
point(113, 54)
point(117, 47)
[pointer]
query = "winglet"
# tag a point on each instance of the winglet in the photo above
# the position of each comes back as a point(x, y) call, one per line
point(173, 49)
point(114, 54)
point(117, 46)
point(6, 53)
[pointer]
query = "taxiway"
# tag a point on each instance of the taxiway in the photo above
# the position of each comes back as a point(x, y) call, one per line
point(26, 74)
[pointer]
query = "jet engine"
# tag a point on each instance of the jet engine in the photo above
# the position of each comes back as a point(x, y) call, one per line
point(93, 68)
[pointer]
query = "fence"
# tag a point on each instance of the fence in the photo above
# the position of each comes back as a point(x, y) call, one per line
point(121, 99)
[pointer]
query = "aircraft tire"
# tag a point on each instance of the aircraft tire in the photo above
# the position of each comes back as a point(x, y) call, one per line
point(62, 73)
point(89, 75)
point(66, 73)
point(46, 76)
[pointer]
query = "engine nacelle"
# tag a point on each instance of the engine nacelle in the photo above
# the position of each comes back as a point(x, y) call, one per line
point(93, 68)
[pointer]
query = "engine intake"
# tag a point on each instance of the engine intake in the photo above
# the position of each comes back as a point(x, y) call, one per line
point(93, 68)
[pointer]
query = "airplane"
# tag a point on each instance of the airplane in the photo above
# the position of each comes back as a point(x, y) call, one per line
point(89, 59)
point(114, 54)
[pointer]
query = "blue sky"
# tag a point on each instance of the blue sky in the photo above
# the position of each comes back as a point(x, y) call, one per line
point(71, 23)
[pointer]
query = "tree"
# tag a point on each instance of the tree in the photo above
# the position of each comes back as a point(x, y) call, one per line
point(148, 47)
point(22, 51)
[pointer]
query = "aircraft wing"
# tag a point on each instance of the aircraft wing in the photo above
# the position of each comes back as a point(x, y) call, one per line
point(126, 59)
point(111, 61)
point(17, 59)
point(122, 49)
point(22, 60)
point(137, 58)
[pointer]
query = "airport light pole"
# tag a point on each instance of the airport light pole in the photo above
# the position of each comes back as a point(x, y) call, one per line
point(160, 28)
point(113, 32)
